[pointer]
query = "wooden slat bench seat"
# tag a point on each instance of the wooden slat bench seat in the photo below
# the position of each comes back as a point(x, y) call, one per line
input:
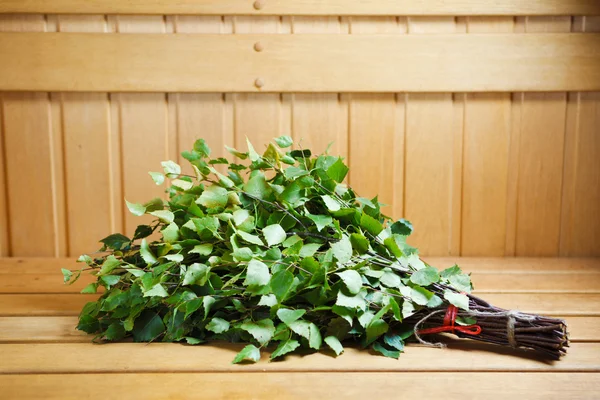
point(42, 355)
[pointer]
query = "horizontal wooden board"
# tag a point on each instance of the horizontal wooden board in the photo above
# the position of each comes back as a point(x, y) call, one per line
point(541, 303)
point(462, 355)
point(495, 265)
point(306, 7)
point(484, 282)
point(310, 385)
point(62, 329)
point(229, 63)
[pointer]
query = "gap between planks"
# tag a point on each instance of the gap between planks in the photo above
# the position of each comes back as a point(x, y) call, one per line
point(357, 385)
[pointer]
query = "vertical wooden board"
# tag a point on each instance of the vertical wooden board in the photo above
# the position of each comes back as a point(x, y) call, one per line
point(541, 147)
point(580, 226)
point(4, 222)
point(30, 170)
point(376, 129)
point(319, 119)
point(202, 115)
point(144, 134)
point(429, 189)
point(585, 213)
point(485, 161)
point(86, 128)
point(259, 116)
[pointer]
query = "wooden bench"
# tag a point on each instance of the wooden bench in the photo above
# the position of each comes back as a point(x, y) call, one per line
point(43, 356)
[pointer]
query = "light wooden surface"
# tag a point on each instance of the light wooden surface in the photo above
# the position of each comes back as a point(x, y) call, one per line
point(479, 174)
point(305, 7)
point(371, 63)
point(44, 356)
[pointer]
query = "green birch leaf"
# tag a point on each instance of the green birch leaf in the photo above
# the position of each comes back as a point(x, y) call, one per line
point(146, 253)
point(287, 316)
point(136, 209)
point(171, 168)
point(457, 299)
point(284, 141)
point(376, 328)
point(213, 197)
point(402, 227)
point(285, 348)
point(334, 344)
point(116, 241)
point(461, 282)
point(254, 156)
point(66, 275)
point(148, 326)
point(170, 233)
point(257, 274)
point(352, 280)
point(378, 347)
point(370, 224)
point(196, 274)
point(218, 325)
point(236, 153)
point(331, 203)
point(262, 330)
point(394, 341)
point(352, 302)
point(248, 353)
point(157, 177)
point(90, 289)
point(342, 250)
point(250, 238)
point(204, 249)
point(157, 290)
point(321, 221)
point(359, 243)
point(242, 254)
point(274, 234)
point(338, 170)
point(165, 216)
point(281, 284)
point(425, 276)
point(267, 300)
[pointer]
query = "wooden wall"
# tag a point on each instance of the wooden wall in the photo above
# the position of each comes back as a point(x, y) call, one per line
point(490, 173)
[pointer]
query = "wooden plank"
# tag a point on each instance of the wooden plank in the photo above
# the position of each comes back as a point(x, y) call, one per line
point(485, 154)
point(376, 130)
point(541, 153)
point(306, 7)
point(582, 304)
point(381, 63)
point(258, 116)
point(355, 385)
point(430, 157)
point(580, 225)
point(144, 134)
point(62, 329)
point(320, 119)
point(507, 265)
point(461, 355)
point(41, 330)
point(29, 146)
point(202, 115)
point(86, 128)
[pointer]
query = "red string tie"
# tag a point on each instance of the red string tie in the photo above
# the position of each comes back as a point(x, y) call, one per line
point(449, 326)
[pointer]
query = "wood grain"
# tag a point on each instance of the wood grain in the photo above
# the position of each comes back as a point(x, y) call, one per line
point(306, 7)
point(388, 63)
point(173, 357)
